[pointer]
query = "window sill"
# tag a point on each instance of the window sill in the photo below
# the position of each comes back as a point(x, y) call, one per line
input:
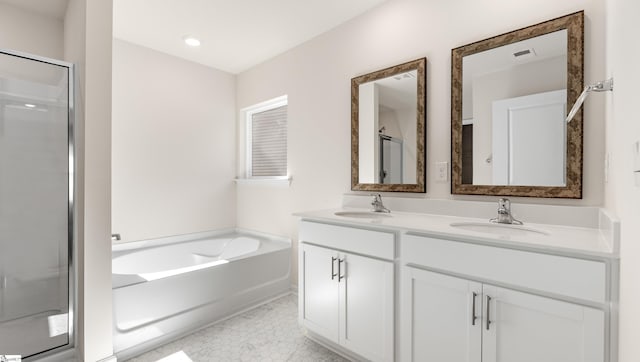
point(278, 182)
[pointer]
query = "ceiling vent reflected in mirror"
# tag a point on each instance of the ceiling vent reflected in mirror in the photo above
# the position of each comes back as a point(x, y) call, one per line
point(524, 54)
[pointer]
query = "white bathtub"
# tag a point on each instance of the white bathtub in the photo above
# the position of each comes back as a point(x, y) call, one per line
point(165, 288)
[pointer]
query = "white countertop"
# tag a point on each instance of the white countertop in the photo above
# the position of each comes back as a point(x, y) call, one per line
point(563, 240)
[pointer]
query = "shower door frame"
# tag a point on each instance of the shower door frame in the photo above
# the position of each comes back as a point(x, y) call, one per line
point(71, 207)
point(381, 171)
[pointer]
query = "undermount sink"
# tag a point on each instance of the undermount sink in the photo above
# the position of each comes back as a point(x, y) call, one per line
point(498, 229)
point(363, 214)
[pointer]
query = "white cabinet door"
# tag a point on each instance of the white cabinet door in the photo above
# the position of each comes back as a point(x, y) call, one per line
point(438, 321)
point(366, 288)
point(321, 292)
point(530, 328)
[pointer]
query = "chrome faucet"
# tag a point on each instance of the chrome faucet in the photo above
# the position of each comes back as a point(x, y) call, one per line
point(377, 204)
point(504, 213)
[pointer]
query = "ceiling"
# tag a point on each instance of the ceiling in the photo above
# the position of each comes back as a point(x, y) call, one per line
point(235, 34)
point(54, 8)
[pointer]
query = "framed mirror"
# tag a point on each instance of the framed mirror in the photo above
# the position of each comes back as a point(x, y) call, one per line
point(509, 99)
point(388, 129)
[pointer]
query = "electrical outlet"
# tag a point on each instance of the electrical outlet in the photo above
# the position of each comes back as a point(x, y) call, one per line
point(442, 172)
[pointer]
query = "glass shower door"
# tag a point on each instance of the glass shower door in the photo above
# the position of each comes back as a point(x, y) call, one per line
point(391, 168)
point(35, 205)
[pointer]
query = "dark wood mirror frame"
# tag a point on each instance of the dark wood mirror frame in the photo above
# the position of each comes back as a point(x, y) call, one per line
point(419, 186)
point(574, 24)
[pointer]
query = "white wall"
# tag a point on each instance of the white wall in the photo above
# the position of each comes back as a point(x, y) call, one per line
point(88, 37)
point(173, 145)
point(316, 76)
point(97, 181)
point(623, 128)
point(30, 32)
point(368, 125)
point(389, 120)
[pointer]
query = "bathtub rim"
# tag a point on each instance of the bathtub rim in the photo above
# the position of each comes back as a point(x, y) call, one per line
point(118, 249)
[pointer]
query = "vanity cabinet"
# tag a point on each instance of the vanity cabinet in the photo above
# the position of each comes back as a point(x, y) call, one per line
point(443, 321)
point(452, 309)
point(321, 293)
point(523, 327)
point(346, 292)
point(454, 319)
point(385, 293)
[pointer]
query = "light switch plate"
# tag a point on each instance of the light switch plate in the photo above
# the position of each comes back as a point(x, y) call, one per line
point(442, 172)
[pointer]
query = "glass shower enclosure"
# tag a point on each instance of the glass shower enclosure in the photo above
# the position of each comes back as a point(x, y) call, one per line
point(36, 205)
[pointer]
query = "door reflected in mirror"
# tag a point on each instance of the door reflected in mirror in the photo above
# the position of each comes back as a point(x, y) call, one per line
point(391, 160)
point(388, 129)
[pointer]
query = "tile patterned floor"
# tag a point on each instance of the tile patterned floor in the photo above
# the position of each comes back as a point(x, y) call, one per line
point(267, 333)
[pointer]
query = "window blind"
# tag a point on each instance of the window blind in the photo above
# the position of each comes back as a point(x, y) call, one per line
point(269, 142)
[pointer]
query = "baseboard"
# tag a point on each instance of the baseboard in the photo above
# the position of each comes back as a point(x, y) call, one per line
point(64, 356)
point(109, 359)
point(332, 347)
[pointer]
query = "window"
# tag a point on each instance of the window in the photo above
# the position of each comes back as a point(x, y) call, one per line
point(266, 150)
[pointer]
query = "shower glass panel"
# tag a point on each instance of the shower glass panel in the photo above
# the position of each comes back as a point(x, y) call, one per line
point(36, 207)
point(390, 160)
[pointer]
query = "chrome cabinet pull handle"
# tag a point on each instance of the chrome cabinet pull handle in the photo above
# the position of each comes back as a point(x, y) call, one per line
point(473, 309)
point(340, 275)
point(488, 318)
point(333, 273)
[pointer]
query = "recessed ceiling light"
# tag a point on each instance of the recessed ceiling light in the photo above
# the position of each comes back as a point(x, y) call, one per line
point(191, 41)
point(30, 105)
